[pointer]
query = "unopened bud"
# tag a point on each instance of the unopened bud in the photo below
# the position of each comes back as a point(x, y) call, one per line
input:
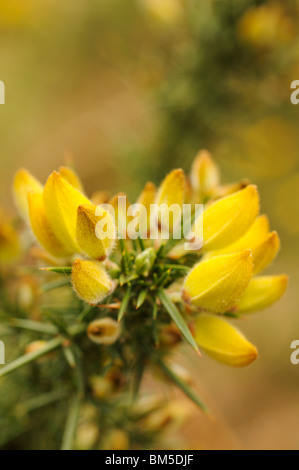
point(145, 261)
point(104, 331)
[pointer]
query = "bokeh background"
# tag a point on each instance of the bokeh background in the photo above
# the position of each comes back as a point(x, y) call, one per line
point(131, 89)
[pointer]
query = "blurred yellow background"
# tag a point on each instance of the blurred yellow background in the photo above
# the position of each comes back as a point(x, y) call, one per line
point(130, 89)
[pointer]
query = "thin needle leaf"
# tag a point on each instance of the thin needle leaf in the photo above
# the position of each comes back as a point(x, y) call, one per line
point(183, 386)
point(124, 304)
point(58, 269)
point(55, 285)
point(33, 326)
point(71, 424)
point(27, 358)
point(177, 318)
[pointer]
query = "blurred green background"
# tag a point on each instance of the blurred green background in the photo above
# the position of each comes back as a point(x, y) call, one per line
point(134, 88)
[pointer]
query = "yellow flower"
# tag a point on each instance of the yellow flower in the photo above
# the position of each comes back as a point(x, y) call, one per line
point(71, 177)
point(95, 231)
point(264, 245)
point(104, 331)
point(90, 281)
point(171, 193)
point(262, 292)
point(229, 218)
point(61, 202)
point(218, 283)
point(223, 342)
point(205, 176)
point(42, 229)
point(25, 183)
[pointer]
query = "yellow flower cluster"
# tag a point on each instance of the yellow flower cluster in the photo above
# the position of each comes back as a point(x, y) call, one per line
point(64, 222)
point(237, 247)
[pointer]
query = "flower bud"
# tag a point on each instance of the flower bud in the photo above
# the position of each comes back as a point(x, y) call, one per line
point(90, 281)
point(95, 231)
point(25, 183)
point(104, 331)
point(61, 201)
point(145, 261)
point(42, 229)
point(171, 193)
point(205, 175)
point(146, 198)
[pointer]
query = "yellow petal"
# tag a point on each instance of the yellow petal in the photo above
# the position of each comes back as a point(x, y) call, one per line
point(95, 231)
point(171, 192)
point(147, 195)
point(223, 342)
point(229, 218)
point(264, 245)
point(256, 234)
point(205, 175)
point(61, 201)
point(25, 183)
point(146, 198)
point(217, 284)
point(71, 177)
point(227, 189)
point(265, 252)
point(90, 281)
point(42, 229)
point(262, 292)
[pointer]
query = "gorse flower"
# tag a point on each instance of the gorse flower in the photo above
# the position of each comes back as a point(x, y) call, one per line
point(237, 245)
point(137, 298)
